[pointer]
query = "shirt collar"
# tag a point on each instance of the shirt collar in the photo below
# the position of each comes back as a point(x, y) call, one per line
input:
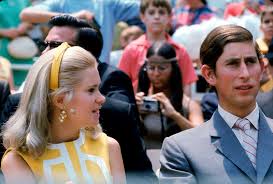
point(142, 40)
point(231, 119)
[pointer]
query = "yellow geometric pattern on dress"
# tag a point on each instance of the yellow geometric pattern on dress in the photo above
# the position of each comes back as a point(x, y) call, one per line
point(81, 161)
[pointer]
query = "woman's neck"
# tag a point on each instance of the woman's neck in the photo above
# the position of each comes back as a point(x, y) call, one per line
point(62, 132)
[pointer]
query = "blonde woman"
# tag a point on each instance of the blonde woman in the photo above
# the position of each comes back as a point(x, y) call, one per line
point(55, 136)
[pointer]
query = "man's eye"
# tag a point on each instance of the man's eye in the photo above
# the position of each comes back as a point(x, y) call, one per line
point(251, 60)
point(162, 12)
point(151, 12)
point(233, 63)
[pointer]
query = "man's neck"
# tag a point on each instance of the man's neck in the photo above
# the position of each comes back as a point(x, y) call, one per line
point(156, 37)
point(194, 6)
point(239, 111)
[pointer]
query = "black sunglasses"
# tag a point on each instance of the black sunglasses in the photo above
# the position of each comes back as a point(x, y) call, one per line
point(52, 44)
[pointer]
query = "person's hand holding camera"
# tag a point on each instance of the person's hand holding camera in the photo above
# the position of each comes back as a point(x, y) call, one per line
point(139, 98)
point(166, 107)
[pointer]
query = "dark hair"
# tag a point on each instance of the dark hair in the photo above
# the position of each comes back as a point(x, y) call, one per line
point(213, 45)
point(144, 4)
point(204, 2)
point(266, 10)
point(88, 34)
point(166, 51)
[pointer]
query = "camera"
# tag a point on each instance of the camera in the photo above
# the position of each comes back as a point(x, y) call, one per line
point(149, 105)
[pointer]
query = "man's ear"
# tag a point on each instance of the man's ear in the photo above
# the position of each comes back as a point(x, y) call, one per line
point(59, 100)
point(142, 17)
point(208, 74)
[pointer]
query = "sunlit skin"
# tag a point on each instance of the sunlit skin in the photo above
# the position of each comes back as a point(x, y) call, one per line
point(87, 100)
point(236, 77)
point(267, 27)
point(156, 20)
point(60, 34)
point(159, 74)
point(86, 103)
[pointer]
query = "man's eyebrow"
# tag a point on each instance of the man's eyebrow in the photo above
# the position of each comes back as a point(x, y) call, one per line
point(233, 59)
point(239, 58)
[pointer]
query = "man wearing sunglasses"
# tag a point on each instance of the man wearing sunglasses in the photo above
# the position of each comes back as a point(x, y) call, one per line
point(119, 117)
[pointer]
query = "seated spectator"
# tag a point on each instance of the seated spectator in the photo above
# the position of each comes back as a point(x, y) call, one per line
point(156, 15)
point(191, 12)
point(127, 35)
point(57, 123)
point(266, 27)
point(176, 111)
point(245, 7)
point(264, 42)
point(163, 107)
point(6, 72)
point(265, 99)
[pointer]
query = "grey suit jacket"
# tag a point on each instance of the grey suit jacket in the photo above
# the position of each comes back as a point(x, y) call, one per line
point(265, 102)
point(211, 154)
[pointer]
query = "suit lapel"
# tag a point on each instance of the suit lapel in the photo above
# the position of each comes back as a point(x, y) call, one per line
point(265, 148)
point(227, 143)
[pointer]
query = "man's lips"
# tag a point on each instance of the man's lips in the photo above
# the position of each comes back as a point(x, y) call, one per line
point(244, 87)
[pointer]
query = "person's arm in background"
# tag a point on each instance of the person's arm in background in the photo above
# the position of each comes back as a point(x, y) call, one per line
point(42, 12)
point(169, 111)
point(186, 67)
point(126, 11)
point(15, 32)
point(195, 111)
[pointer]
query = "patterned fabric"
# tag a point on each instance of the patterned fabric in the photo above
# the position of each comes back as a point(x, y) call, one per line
point(185, 16)
point(249, 142)
point(81, 161)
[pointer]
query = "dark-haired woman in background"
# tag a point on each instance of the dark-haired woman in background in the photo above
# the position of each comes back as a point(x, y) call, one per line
point(160, 78)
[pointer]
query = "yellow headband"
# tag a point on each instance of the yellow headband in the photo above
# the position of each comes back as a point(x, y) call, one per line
point(55, 67)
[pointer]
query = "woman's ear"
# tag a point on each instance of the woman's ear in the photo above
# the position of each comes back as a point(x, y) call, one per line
point(209, 74)
point(59, 100)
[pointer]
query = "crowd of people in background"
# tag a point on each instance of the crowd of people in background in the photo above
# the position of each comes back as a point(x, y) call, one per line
point(104, 92)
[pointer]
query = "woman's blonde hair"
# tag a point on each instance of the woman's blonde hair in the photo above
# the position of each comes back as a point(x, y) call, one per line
point(28, 129)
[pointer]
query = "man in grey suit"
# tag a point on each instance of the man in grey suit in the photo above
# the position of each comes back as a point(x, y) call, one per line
point(236, 144)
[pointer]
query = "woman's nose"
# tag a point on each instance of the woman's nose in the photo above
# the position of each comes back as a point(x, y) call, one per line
point(100, 99)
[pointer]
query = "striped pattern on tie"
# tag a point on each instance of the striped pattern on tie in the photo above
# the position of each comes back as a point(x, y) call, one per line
point(249, 143)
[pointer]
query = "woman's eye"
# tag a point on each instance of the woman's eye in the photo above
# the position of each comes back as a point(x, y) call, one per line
point(91, 90)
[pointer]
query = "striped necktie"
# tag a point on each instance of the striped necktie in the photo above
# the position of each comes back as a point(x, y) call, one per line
point(249, 143)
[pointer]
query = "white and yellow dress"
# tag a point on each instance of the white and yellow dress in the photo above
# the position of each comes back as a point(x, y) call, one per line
point(80, 161)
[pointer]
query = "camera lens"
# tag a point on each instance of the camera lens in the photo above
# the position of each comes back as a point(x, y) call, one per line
point(147, 106)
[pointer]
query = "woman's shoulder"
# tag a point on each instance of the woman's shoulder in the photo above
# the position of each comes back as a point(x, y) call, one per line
point(12, 158)
point(113, 144)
